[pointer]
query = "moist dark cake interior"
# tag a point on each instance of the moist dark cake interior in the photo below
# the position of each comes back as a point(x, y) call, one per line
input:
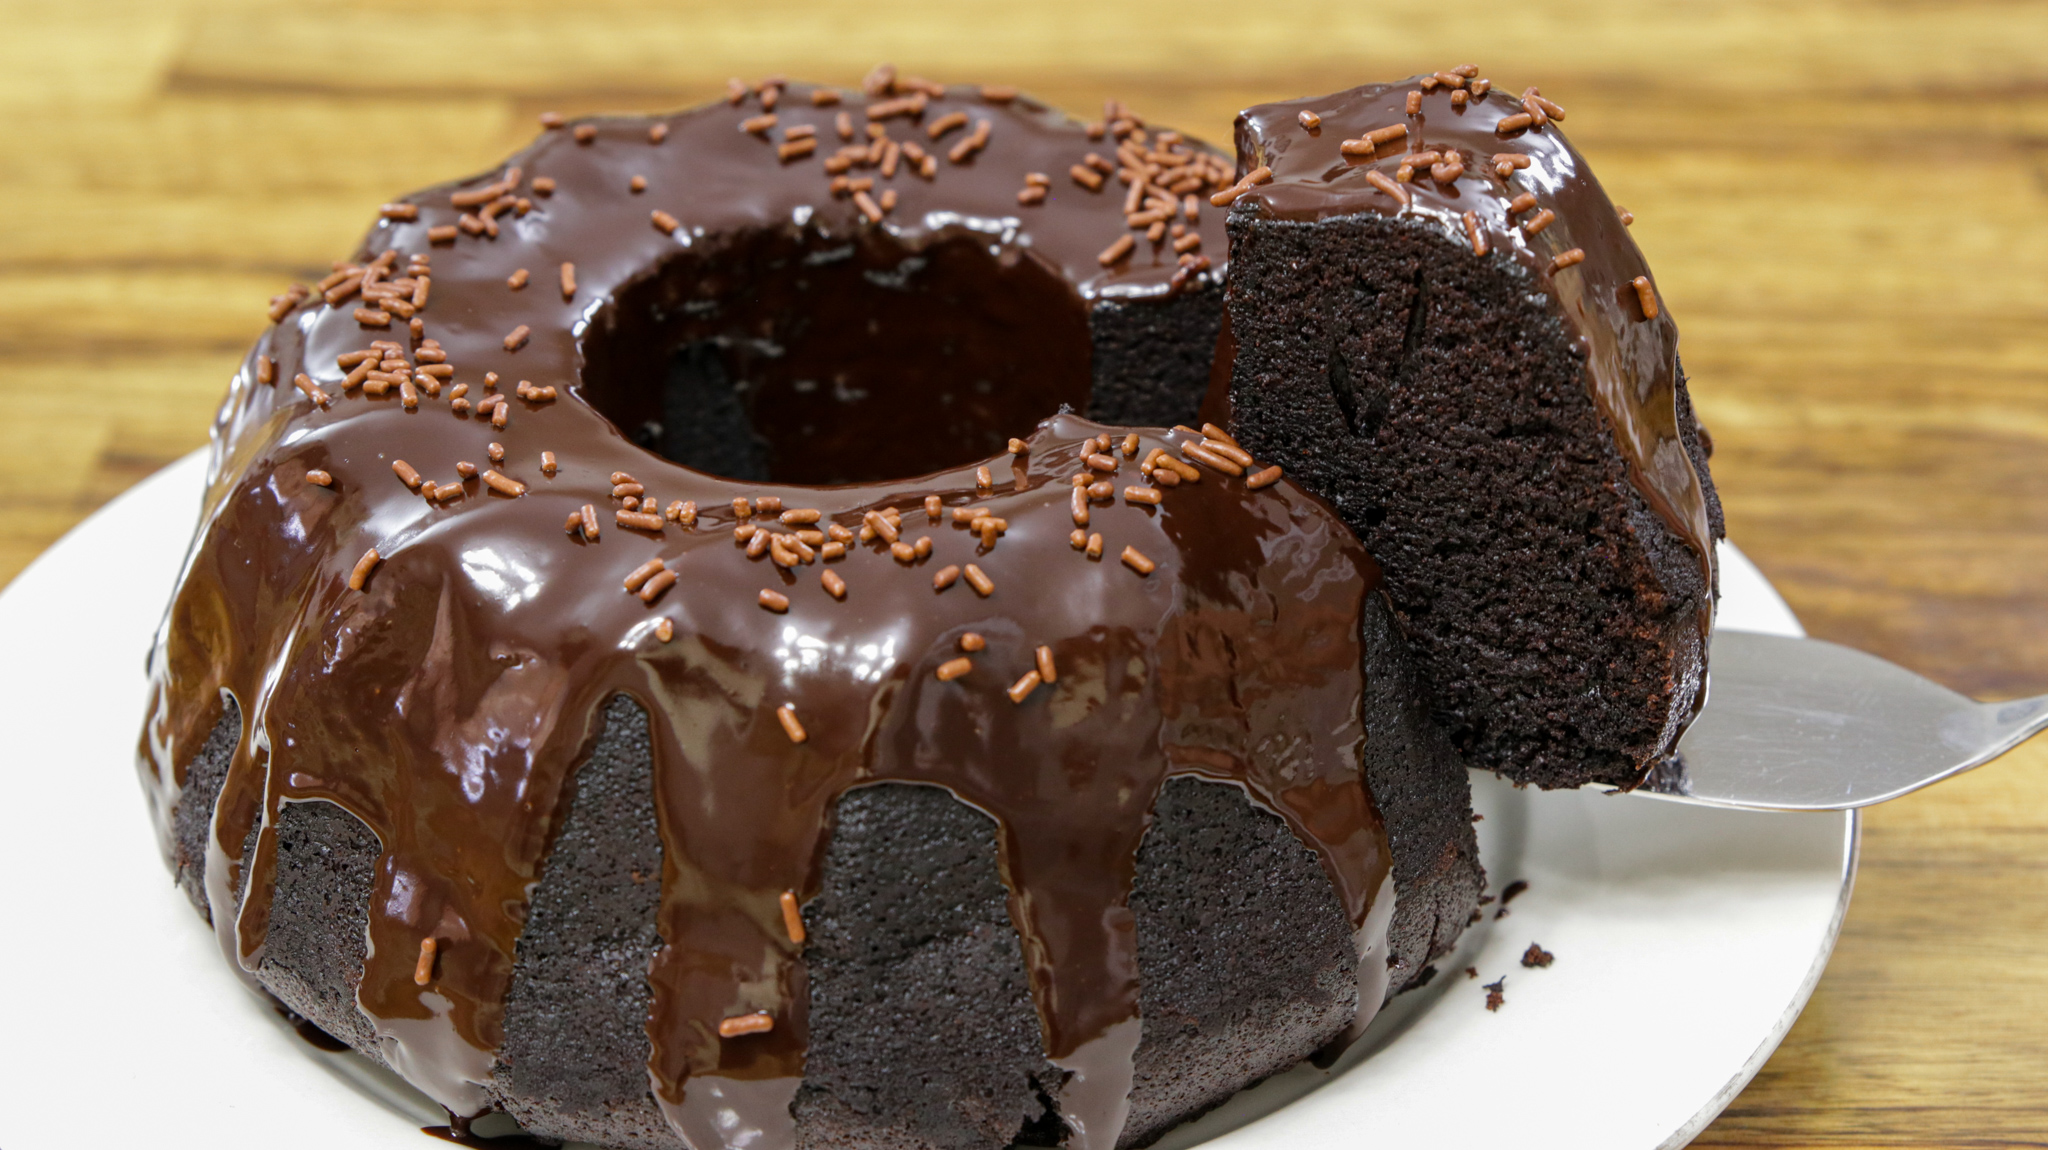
point(1477, 374)
point(638, 827)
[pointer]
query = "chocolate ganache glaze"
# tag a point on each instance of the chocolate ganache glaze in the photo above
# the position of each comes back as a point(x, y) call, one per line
point(1502, 178)
point(428, 557)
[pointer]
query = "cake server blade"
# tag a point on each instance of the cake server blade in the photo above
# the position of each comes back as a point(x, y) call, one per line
point(1806, 725)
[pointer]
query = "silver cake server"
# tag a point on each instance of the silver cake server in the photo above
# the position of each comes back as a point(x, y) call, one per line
point(1806, 725)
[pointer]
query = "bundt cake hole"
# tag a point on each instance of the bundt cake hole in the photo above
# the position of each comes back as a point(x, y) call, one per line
point(784, 355)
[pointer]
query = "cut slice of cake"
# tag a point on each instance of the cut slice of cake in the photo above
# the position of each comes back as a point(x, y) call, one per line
point(1437, 321)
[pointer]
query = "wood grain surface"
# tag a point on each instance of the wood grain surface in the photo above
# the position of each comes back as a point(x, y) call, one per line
point(1844, 204)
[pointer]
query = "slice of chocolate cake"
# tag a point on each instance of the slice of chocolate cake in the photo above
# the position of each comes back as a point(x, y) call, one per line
point(1437, 321)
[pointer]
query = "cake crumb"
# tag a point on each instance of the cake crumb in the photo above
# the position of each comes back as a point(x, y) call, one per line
point(1514, 888)
point(1536, 956)
point(1495, 993)
point(1471, 972)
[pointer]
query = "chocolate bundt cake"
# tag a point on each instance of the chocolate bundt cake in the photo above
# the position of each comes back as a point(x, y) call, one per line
point(716, 633)
point(1438, 322)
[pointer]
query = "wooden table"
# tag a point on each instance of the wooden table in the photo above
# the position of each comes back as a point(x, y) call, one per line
point(1844, 204)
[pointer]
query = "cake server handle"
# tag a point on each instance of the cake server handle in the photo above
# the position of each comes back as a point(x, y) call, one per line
point(1807, 725)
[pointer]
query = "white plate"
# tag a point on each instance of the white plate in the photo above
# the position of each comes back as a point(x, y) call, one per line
point(1686, 939)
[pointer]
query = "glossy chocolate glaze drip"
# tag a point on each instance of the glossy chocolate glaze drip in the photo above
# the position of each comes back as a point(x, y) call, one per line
point(1632, 365)
point(445, 702)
